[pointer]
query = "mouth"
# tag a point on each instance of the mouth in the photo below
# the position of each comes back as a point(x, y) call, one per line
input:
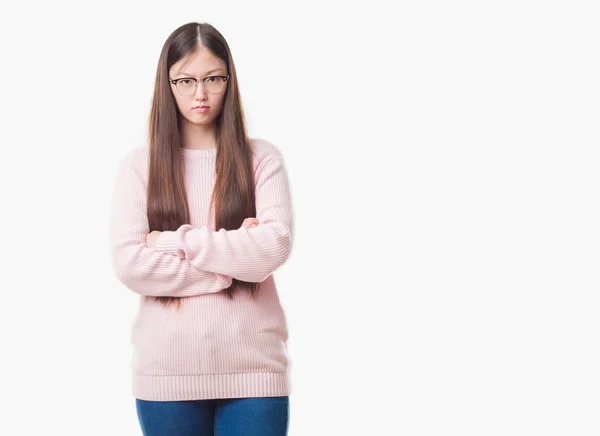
point(201, 109)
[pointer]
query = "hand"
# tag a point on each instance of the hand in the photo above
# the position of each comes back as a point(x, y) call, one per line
point(249, 223)
point(151, 238)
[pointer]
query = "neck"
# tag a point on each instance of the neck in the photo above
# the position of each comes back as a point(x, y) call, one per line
point(197, 137)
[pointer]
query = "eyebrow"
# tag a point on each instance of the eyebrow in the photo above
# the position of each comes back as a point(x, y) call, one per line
point(182, 73)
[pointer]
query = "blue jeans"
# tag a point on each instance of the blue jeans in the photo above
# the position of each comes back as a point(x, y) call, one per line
point(264, 416)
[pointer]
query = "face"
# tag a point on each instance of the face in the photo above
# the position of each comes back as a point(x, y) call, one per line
point(199, 65)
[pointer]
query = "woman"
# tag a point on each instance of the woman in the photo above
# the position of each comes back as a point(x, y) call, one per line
point(200, 219)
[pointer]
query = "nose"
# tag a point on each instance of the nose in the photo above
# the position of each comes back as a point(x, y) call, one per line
point(200, 93)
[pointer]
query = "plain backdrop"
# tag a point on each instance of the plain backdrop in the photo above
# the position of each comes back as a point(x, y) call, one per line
point(444, 164)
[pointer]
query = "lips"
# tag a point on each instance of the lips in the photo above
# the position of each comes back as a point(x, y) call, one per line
point(200, 107)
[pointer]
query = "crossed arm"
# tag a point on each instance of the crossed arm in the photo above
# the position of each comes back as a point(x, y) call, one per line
point(194, 261)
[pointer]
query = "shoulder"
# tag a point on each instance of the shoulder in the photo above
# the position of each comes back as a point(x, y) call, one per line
point(264, 151)
point(135, 161)
point(137, 155)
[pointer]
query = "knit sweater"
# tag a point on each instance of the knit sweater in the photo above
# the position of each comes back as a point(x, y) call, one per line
point(211, 346)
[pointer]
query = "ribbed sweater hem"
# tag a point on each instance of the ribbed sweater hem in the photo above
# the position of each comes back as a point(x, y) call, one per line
point(211, 386)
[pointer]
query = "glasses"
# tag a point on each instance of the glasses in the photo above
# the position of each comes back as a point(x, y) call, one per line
point(212, 84)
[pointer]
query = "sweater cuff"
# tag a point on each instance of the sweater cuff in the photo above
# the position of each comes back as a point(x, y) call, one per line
point(167, 242)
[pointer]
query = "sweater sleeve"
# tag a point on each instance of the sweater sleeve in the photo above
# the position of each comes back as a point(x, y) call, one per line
point(144, 270)
point(251, 255)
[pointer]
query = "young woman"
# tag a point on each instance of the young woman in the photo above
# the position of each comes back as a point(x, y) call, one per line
point(200, 219)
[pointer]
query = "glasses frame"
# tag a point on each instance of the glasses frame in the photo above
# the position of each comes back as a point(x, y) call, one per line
point(174, 82)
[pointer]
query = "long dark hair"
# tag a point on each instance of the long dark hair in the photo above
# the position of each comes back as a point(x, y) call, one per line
point(233, 196)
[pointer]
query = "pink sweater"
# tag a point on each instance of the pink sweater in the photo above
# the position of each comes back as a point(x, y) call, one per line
point(212, 347)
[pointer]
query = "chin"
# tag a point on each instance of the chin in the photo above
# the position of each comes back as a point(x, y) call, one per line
point(200, 120)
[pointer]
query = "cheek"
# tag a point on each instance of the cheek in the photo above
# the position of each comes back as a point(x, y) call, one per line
point(218, 101)
point(180, 103)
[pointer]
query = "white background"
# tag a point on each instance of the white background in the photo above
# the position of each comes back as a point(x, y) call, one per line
point(444, 166)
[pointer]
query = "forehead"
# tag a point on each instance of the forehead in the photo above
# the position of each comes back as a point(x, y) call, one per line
point(199, 63)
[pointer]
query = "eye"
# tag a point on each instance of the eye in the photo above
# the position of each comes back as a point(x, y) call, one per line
point(185, 81)
point(211, 78)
